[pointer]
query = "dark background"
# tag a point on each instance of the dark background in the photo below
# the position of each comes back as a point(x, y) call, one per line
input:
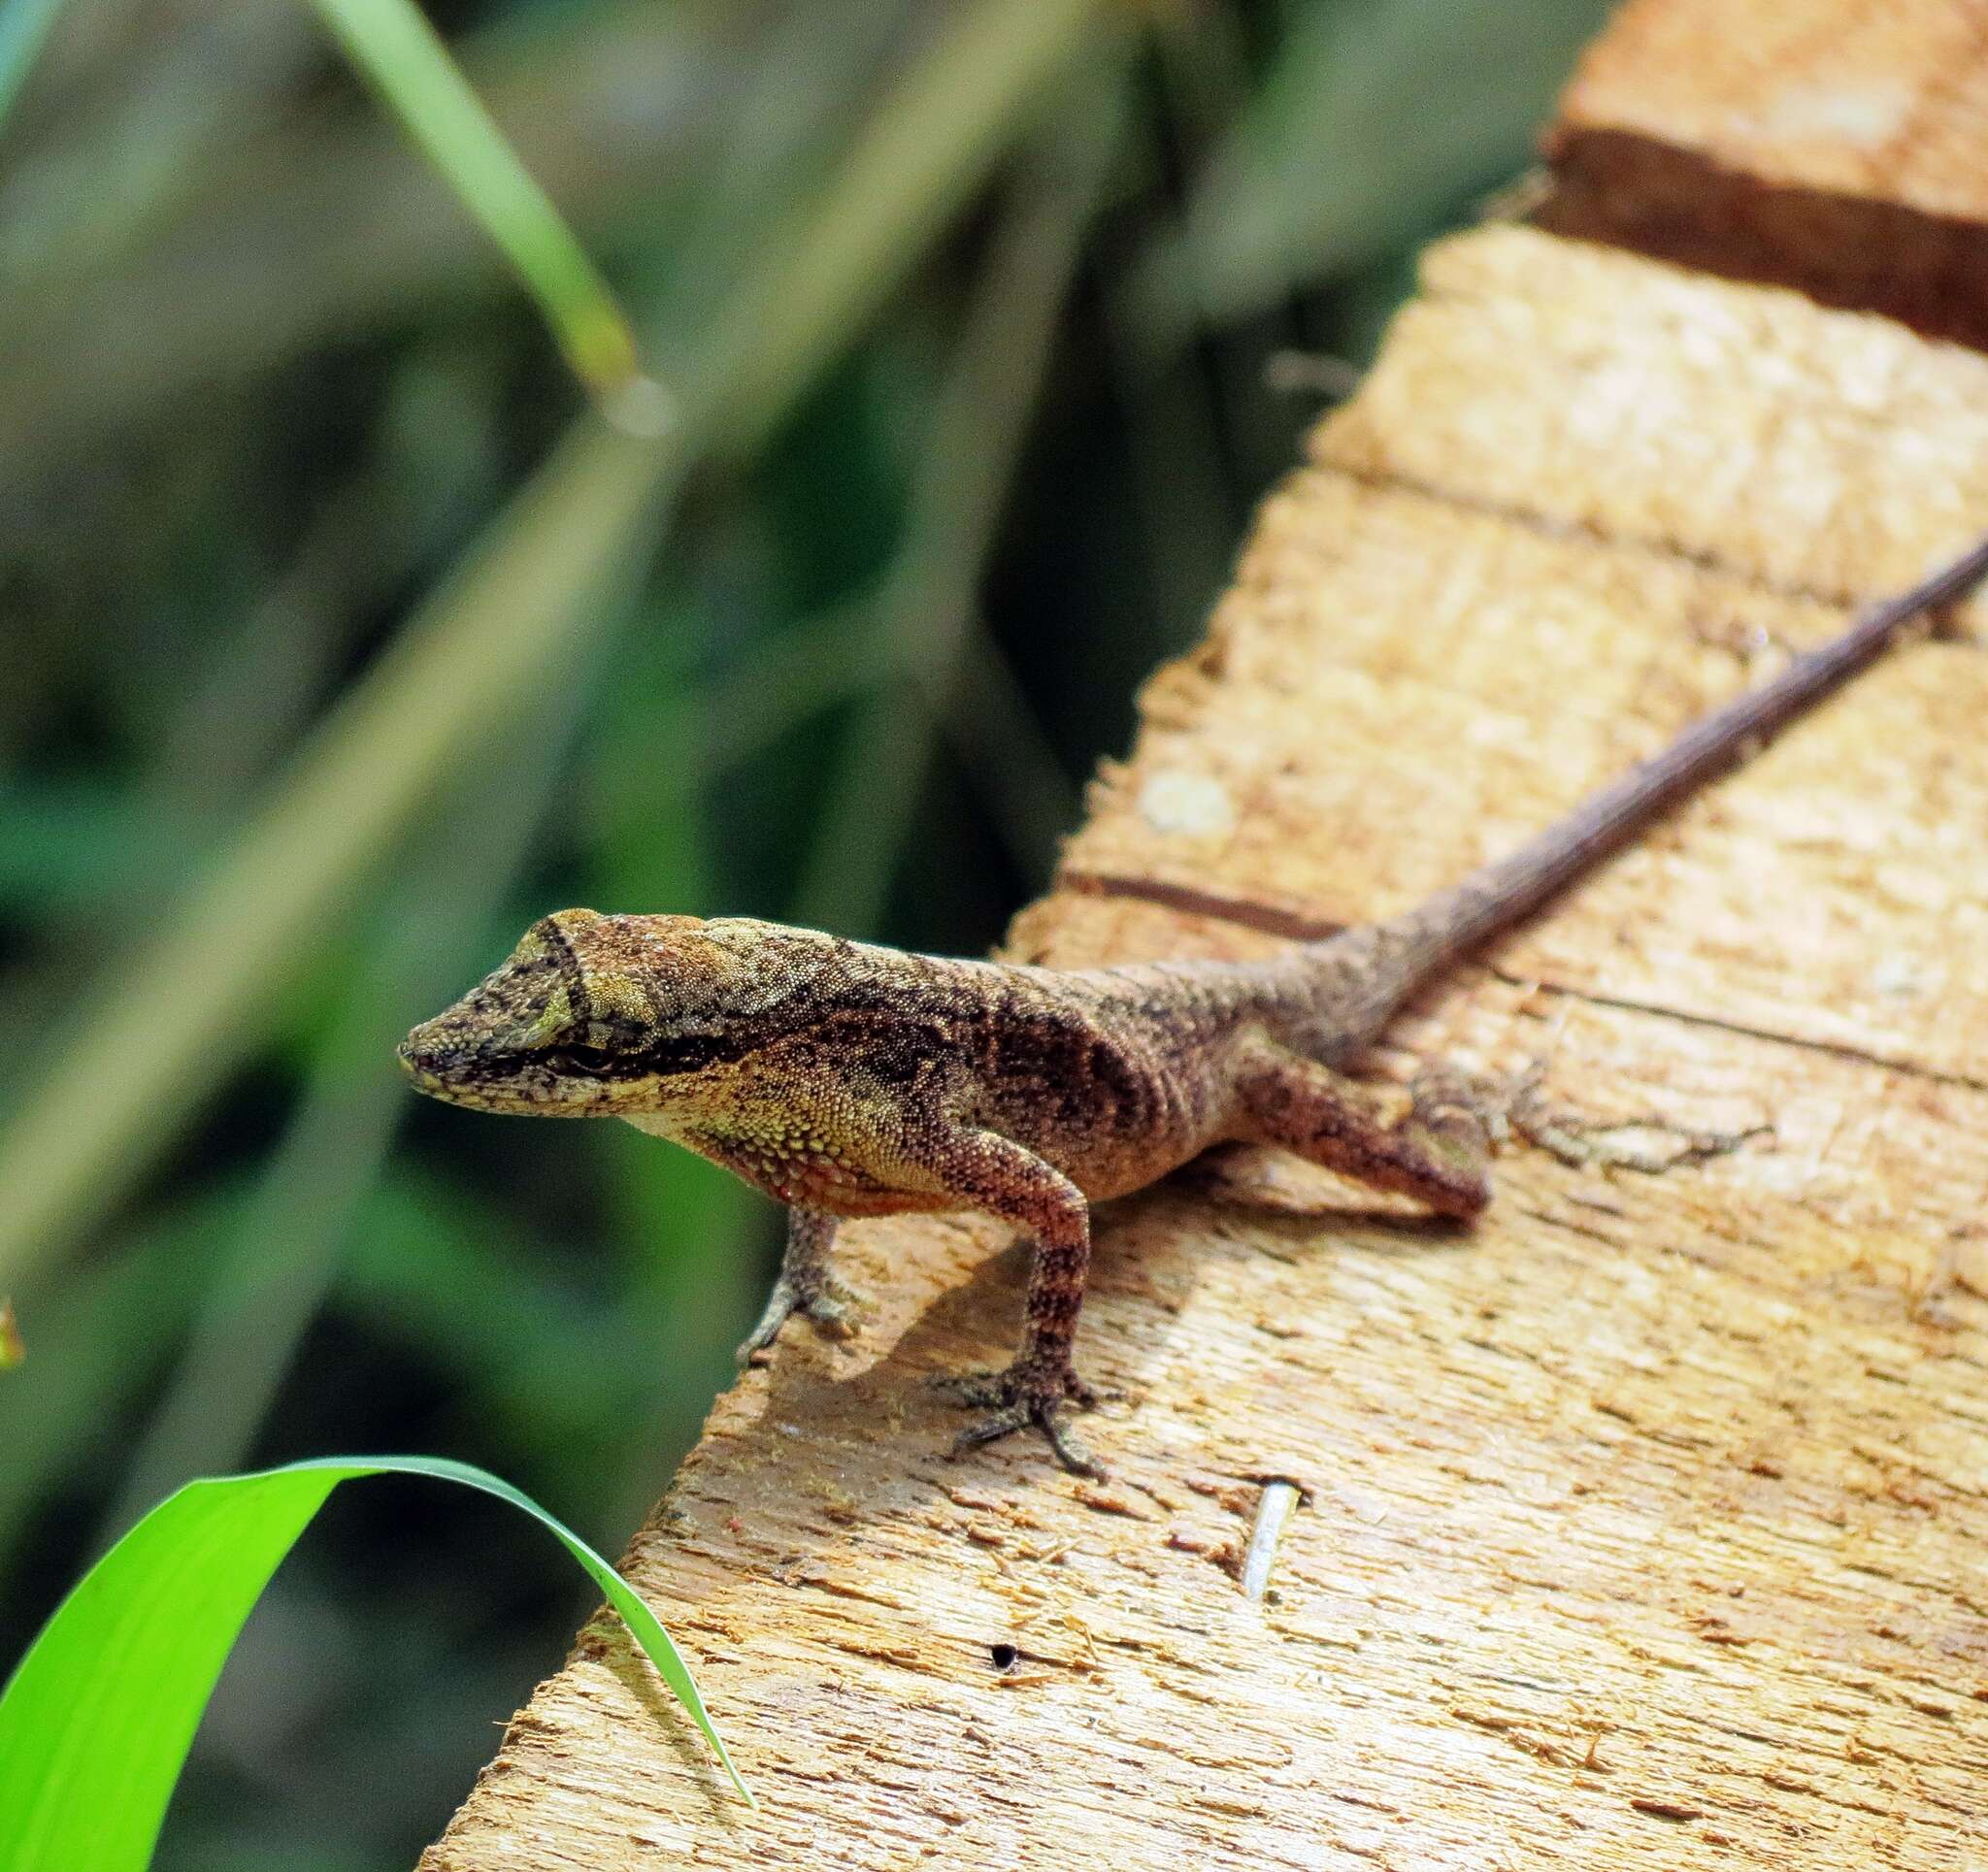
point(262, 384)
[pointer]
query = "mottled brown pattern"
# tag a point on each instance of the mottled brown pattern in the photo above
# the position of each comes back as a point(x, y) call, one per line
point(850, 1080)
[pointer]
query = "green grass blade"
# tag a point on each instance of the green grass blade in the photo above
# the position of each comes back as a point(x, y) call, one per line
point(925, 611)
point(966, 101)
point(393, 44)
point(96, 1722)
point(1368, 123)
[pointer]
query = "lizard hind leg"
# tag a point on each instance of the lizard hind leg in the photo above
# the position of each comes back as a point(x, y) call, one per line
point(1435, 1148)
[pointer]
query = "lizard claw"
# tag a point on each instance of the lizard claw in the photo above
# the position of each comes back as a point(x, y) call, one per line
point(1023, 1398)
point(829, 1306)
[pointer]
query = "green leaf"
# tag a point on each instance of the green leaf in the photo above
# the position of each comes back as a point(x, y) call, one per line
point(97, 1720)
point(393, 44)
point(1376, 117)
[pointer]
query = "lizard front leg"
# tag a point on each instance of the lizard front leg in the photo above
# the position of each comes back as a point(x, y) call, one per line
point(990, 1173)
point(805, 1285)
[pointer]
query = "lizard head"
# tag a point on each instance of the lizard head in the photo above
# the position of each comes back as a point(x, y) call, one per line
point(598, 1015)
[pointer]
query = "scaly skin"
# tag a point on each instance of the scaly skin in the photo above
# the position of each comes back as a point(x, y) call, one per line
point(850, 1080)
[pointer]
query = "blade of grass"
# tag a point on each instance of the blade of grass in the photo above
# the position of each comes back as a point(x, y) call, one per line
point(272, 1274)
point(97, 1341)
point(191, 1001)
point(926, 611)
point(393, 44)
point(1373, 118)
point(273, 195)
point(96, 1721)
point(195, 997)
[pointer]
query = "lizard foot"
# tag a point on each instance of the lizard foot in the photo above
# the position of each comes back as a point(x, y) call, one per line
point(1025, 1397)
point(1647, 1146)
point(829, 1306)
point(1469, 1113)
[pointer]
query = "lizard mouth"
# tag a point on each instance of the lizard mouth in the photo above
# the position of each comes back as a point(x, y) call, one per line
point(440, 1077)
point(485, 1082)
point(565, 1078)
point(418, 1067)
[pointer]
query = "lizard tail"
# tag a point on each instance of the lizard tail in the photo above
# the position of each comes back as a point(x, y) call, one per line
point(1388, 960)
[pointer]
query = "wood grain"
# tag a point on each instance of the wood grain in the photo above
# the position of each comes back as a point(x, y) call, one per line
point(1643, 1524)
point(1831, 145)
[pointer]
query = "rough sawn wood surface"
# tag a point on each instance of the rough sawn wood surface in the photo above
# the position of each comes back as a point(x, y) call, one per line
point(1834, 144)
point(1647, 1523)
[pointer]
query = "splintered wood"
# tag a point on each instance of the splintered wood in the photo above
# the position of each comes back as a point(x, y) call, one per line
point(1834, 144)
point(1643, 1524)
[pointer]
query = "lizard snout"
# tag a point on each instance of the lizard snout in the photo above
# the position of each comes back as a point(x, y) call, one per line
point(419, 1060)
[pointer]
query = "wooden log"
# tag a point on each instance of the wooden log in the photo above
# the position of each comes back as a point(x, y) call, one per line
point(1830, 146)
point(1645, 1521)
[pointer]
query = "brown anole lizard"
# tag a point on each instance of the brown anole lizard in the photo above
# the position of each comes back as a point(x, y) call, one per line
point(852, 1080)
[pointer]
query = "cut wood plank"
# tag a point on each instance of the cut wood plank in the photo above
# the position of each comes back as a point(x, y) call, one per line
point(1835, 147)
point(1590, 527)
point(1643, 1523)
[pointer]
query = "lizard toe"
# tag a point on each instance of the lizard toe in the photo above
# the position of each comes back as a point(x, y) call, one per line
point(779, 1304)
point(1031, 1414)
point(830, 1308)
point(1025, 1397)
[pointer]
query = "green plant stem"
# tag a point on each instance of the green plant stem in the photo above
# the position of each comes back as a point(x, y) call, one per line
point(393, 44)
point(283, 1255)
point(925, 613)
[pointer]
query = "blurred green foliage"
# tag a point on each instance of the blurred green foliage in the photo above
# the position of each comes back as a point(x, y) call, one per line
point(342, 641)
